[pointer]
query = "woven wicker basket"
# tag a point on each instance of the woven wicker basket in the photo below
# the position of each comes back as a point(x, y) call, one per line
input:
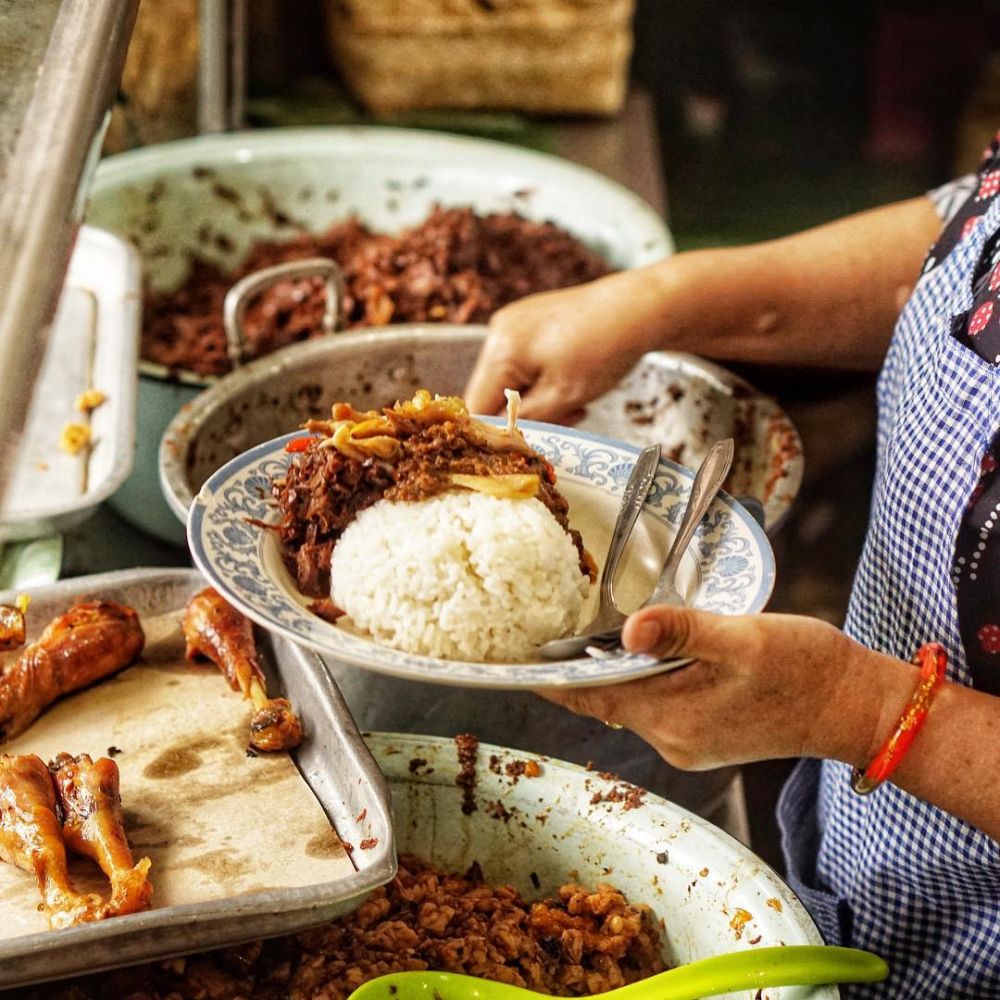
point(160, 81)
point(529, 55)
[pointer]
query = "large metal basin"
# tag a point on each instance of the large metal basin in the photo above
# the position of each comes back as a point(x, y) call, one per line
point(694, 876)
point(676, 399)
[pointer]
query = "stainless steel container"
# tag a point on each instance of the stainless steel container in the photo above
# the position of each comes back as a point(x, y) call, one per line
point(678, 400)
point(333, 761)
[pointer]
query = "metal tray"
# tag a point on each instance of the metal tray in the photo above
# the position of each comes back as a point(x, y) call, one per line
point(93, 345)
point(334, 762)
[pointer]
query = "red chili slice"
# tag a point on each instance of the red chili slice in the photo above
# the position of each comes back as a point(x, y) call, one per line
point(299, 444)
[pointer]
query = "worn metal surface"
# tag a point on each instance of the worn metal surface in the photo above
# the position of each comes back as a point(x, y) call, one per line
point(93, 345)
point(50, 141)
point(25, 26)
point(333, 761)
point(222, 29)
point(680, 401)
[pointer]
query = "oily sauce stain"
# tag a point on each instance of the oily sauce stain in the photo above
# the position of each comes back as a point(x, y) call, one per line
point(222, 867)
point(181, 758)
point(172, 763)
point(324, 845)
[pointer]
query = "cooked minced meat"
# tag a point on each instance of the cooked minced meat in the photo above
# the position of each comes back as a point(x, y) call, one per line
point(578, 944)
point(323, 489)
point(456, 267)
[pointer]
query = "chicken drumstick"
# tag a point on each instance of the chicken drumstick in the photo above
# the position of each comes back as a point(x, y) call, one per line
point(92, 825)
point(214, 629)
point(90, 641)
point(12, 623)
point(31, 838)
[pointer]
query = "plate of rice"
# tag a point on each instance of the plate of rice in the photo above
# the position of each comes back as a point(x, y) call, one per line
point(422, 542)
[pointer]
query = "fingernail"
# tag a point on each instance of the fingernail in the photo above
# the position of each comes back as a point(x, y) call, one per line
point(645, 636)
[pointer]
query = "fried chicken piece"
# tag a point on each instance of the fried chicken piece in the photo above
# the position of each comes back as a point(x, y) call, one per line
point(11, 627)
point(88, 793)
point(219, 632)
point(31, 838)
point(89, 642)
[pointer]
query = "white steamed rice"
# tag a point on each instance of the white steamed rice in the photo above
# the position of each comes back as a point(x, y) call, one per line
point(464, 576)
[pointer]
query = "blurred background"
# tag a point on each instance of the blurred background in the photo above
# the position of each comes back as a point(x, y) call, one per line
point(740, 121)
point(771, 115)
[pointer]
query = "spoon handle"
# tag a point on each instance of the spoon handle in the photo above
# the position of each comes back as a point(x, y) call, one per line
point(758, 968)
point(633, 499)
point(707, 483)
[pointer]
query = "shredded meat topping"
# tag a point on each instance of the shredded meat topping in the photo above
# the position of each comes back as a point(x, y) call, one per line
point(455, 267)
point(325, 488)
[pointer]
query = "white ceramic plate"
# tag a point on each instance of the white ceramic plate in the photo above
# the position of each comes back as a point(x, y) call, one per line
point(729, 567)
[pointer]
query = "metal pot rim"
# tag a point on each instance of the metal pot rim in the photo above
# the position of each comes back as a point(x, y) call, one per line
point(184, 427)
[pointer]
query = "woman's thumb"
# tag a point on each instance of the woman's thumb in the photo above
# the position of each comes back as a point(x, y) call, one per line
point(664, 631)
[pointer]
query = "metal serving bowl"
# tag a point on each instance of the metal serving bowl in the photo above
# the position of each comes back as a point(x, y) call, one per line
point(712, 894)
point(215, 196)
point(681, 401)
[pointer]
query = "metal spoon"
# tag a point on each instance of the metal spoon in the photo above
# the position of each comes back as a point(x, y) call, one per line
point(707, 483)
point(752, 969)
point(608, 616)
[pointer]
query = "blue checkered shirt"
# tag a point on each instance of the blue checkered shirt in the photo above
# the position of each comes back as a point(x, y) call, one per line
point(890, 872)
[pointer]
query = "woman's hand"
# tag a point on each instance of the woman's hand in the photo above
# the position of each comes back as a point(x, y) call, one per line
point(762, 686)
point(766, 686)
point(827, 297)
point(562, 349)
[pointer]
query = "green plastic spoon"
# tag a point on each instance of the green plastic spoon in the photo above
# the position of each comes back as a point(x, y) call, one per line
point(791, 965)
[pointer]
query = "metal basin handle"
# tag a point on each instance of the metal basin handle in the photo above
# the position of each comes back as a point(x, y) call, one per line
point(239, 297)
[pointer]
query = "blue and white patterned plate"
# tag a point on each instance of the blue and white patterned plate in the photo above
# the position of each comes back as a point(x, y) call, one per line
point(729, 567)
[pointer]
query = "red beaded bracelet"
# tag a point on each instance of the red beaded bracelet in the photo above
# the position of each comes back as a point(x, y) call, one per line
point(933, 662)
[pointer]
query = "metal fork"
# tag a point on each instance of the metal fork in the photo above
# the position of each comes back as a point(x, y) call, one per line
point(707, 483)
point(608, 616)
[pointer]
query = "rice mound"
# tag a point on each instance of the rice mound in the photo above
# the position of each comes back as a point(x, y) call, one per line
point(463, 576)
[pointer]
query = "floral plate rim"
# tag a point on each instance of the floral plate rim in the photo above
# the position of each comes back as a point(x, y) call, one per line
point(734, 556)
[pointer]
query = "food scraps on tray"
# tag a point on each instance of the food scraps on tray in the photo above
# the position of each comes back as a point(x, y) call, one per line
point(434, 532)
point(456, 267)
point(74, 438)
point(89, 400)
